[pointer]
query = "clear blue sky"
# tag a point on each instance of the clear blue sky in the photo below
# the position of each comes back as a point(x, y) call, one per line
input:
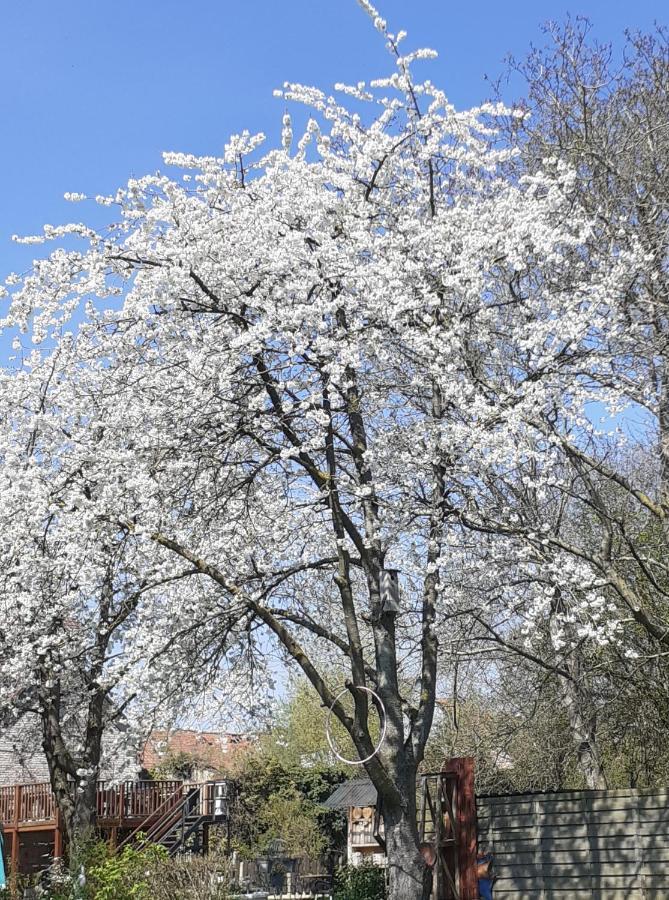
point(92, 92)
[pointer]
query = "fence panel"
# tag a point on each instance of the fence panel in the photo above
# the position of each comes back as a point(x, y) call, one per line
point(578, 844)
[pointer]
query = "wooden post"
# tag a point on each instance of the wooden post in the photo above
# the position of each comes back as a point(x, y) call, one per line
point(463, 768)
point(17, 804)
point(58, 837)
point(15, 859)
point(421, 825)
point(13, 874)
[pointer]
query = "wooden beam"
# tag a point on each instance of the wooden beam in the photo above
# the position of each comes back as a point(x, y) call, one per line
point(17, 803)
point(423, 810)
point(27, 827)
point(58, 837)
point(15, 854)
point(463, 769)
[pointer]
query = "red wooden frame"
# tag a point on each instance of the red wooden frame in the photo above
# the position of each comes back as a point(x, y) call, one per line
point(463, 769)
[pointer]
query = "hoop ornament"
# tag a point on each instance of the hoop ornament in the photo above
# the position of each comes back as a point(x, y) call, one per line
point(384, 724)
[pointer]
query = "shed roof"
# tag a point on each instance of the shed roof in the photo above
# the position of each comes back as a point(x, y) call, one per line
point(357, 792)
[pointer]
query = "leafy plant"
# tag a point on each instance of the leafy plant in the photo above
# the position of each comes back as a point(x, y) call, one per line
point(366, 882)
point(280, 801)
point(122, 876)
point(188, 878)
point(178, 764)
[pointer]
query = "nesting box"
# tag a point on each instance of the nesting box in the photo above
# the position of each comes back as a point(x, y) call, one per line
point(390, 591)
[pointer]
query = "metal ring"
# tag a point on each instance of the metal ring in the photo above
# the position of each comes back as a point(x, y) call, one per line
point(328, 735)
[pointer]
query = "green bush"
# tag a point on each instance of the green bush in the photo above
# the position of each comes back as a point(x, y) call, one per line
point(120, 876)
point(275, 801)
point(364, 882)
point(189, 878)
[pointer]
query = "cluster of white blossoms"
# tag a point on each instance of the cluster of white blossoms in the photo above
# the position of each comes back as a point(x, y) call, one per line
point(378, 323)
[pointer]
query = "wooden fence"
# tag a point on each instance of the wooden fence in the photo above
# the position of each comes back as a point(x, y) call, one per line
point(309, 876)
point(609, 845)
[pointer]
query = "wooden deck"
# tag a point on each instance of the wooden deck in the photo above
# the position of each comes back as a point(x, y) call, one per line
point(30, 820)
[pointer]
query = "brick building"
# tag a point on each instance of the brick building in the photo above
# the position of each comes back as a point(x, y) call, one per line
point(21, 758)
point(193, 755)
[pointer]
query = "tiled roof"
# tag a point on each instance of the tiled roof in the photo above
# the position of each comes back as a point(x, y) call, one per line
point(210, 749)
point(358, 792)
point(22, 759)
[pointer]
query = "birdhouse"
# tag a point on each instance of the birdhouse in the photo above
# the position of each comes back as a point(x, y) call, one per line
point(390, 591)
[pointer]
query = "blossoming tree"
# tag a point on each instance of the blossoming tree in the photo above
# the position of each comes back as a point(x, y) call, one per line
point(96, 637)
point(607, 519)
point(294, 371)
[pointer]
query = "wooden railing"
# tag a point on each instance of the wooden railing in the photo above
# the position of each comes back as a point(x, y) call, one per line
point(184, 802)
point(8, 805)
point(208, 801)
point(24, 804)
point(27, 803)
point(132, 799)
point(36, 803)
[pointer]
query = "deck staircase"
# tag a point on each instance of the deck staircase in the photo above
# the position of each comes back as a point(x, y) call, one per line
point(181, 823)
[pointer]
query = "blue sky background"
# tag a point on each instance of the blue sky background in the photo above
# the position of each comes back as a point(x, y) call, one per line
point(91, 93)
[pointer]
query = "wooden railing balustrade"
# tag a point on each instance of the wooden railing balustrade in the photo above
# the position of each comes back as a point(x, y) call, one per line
point(36, 803)
point(8, 804)
point(25, 804)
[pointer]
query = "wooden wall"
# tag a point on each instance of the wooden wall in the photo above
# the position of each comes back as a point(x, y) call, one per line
point(35, 851)
point(608, 845)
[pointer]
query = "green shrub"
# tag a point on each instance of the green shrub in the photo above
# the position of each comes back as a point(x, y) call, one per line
point(188, 878)
point(132, 874)
point(364, 882)
point(121, 876)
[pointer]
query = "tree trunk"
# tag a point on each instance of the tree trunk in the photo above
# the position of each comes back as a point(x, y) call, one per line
point(583, 726)
point(409, 878)
point(579, 705)
point(63, 791)
point(77, 804)
point(84, 818)
point(76, 796)
point(663, 421)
